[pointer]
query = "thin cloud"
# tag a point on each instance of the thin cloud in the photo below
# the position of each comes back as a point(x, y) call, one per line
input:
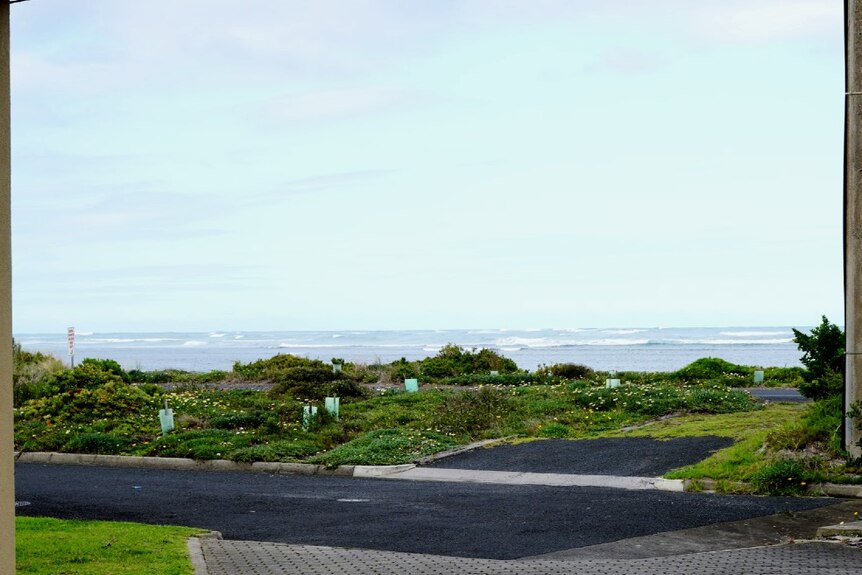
point(121, 217)
point(625, 61)
point(768, 20)
point(337, 104)
point(320, 184)
point(144, 279)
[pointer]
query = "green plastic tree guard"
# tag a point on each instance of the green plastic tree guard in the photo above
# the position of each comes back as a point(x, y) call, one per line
point(308, 412)
point(166, 418)
point(333, 406)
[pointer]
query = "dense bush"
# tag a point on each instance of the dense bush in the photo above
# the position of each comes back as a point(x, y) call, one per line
point(86, 375)
point(303, 378)
point(520, 378)
point(278, 366)
point(199, 444)
point(178, 376)
point(32, 373)
point(454, 361)
point(472, 412)
point(386, 447)
point(823, 358)
point(712, 368)
point(820, 424)
point(101, 443)
point(237, 420)
point(402, 369)
point(106, 365)
point(663, 399)
point(784, 376)
point(112, 401)
point(781, 477)
point(275, 451)
point(565, 371)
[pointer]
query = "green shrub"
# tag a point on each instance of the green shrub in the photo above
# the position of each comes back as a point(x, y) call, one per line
point(566, 371)
point(823, 358)
point(285, 451)
point(472, 412)
point(361, 373)
point(317, 390)
point(32, 374)
point(824, 386)
point(554, 429)
point(781, 477)
point(386, 447)
point(101, 443)
point(657, 400)
point(107, 365)
point(711, 368)
point(345, 388)
point(402, 369)
point(453, 361)
point(280, 366)
point(237, 420)
point(83, 376)
point(519, 378)
point(820, 423)
point(783, 376)
point(113, 402)
point(308, 379)
point(199, 444)
point(717, 399)
point(176, 376)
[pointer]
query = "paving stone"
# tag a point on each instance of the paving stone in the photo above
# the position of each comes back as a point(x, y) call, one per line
point(254, 558)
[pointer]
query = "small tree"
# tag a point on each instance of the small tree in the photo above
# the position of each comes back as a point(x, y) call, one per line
point(823, 358)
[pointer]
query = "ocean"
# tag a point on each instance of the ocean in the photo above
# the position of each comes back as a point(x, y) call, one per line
point(628, 349)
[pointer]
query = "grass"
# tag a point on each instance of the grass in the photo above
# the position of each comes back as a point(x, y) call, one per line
point(779, 450)
point(52, 546)
point(739, 462)
point(739, 426)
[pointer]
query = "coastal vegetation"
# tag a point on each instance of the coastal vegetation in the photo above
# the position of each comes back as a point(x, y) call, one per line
point(255, 411)
point(790, 447)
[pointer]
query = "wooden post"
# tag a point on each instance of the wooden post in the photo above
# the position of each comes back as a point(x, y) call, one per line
point(7, 464)
point(853, 218)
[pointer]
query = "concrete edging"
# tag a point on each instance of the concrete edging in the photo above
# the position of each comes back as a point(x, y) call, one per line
point(196, 555)
point(813, 490)
point(181, 463)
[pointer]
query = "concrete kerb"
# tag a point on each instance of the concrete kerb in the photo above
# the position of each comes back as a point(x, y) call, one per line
point(193, 544)
point(852, 529)
point(844, 491)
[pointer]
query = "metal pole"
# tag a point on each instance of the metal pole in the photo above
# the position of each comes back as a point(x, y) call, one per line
point(7, 464)
point(853, 219)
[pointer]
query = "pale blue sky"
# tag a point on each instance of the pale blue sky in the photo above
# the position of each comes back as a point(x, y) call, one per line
point(203, 165)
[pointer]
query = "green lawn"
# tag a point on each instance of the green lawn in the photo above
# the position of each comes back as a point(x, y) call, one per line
point(739, 461)
point(52, 546)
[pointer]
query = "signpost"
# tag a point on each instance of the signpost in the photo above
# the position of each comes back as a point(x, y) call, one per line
point(71, 335)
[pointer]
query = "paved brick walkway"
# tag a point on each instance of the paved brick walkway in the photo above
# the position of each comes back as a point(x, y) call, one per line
point(252, 558)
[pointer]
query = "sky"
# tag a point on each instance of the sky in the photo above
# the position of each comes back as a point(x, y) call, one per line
point(378, 164)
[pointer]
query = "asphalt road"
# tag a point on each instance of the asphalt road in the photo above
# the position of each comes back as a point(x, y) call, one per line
point(468, 520)
point(629, 456)
point(778, 394)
